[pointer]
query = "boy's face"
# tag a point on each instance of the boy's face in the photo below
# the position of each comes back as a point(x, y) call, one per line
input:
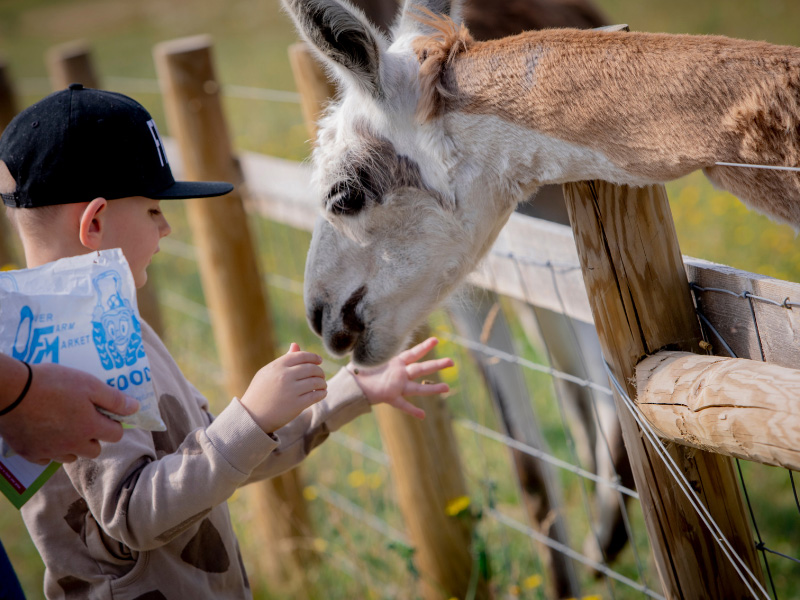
point(136, 225)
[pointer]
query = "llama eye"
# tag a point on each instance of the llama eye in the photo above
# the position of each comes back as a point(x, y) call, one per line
point(345, 200)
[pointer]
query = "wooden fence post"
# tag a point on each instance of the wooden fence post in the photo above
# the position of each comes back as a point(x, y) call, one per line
point(641, 303)
point(232, 284)
point(72, 63)
point(8, 108)
point(424, 455)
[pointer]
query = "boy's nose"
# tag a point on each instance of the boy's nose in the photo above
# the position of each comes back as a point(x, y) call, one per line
point(165, 229)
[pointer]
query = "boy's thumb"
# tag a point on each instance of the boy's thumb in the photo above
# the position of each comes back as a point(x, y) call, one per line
point(293, 347)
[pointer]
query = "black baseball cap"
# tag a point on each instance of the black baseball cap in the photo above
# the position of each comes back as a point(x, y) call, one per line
point(79, 144)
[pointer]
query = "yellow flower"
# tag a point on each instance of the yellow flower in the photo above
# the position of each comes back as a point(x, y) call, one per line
point(356, 479)
point(594, 597)
point(532, 582)
point(457, 506)
point(319, 545)
point(310, 493)
point(450, 375)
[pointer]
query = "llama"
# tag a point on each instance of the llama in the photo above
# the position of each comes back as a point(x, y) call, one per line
point(592, 418)
point(436, 138)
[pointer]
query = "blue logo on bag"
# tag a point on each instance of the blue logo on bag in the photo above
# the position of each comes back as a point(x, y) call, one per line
point(32, 344)
point(116, 331)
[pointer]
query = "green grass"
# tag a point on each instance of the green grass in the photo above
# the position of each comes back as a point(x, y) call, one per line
point(250, 50)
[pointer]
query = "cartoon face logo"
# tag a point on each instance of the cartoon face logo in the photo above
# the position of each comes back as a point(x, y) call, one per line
point(116, 331)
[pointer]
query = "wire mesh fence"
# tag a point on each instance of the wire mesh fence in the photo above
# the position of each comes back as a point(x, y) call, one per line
point(361, 538)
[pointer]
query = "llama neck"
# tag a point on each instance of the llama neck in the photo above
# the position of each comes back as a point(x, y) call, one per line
point(655, 106)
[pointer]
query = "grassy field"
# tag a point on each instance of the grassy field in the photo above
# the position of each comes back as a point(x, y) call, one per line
point(250, 49)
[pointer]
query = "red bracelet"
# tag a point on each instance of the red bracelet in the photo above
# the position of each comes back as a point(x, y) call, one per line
point(24, 393)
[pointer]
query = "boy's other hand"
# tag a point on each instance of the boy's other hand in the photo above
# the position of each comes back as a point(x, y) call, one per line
point(389, 383)
point(284, 388)
point(58, 419)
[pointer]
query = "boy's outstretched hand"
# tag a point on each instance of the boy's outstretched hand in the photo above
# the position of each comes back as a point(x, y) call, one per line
point(284, 388)
point(389, 383)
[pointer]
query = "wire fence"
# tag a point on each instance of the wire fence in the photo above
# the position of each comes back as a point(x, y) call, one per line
point(471, 418)
point(713, 335)
point(499, 502)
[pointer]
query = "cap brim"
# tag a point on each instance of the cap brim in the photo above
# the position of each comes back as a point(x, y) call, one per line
point(183, 190)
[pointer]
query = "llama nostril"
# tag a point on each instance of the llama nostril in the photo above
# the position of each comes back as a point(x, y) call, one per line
point(315, 318)
point(350, 319)
point(341, 342)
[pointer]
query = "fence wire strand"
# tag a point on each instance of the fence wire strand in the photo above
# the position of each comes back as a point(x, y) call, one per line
point(200, 312)
point(751, 299)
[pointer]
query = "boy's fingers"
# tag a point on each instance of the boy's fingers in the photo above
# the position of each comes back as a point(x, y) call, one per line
point(429, 367)
point(418, 351)
point(313, 397)
point(293, 347)
point(306, 370)
point(310, 384)
point(401, 403)
point(299, 357)
point(425, 389)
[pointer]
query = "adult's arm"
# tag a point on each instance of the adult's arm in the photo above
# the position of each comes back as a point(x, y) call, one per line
point(58, 417)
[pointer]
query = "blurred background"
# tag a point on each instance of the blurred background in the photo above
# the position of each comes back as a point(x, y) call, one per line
point(250, 49)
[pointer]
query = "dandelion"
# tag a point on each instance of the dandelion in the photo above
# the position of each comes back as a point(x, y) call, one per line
point(319, 545)
point(310, 493)
point(532, 582)
point(356, 479)
point(457, 506)
point(450, 375)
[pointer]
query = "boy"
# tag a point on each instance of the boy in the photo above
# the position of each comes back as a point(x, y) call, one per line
point(84, 170)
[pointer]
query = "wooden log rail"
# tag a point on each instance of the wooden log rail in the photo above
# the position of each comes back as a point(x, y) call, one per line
point(731, 406)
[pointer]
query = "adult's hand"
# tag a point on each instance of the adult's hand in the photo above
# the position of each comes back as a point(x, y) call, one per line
point(58, 418)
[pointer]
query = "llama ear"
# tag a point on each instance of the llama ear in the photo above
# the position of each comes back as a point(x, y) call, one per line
point(344, 39)
point(408, 22)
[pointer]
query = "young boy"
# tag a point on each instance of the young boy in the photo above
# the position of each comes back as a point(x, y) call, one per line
point(84, 170)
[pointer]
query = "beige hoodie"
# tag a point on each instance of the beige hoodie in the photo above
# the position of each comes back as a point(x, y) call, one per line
point(147, 519)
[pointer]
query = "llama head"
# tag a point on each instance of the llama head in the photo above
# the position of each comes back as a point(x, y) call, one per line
point(406, 216)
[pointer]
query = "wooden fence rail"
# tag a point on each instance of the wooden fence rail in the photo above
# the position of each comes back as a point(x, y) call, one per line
point(733, 406)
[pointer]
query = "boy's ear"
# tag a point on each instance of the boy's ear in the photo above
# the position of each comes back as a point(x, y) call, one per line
point(92, 224)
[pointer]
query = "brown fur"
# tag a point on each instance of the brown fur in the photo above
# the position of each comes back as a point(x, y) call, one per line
point(659, 106)
point(436, 52)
